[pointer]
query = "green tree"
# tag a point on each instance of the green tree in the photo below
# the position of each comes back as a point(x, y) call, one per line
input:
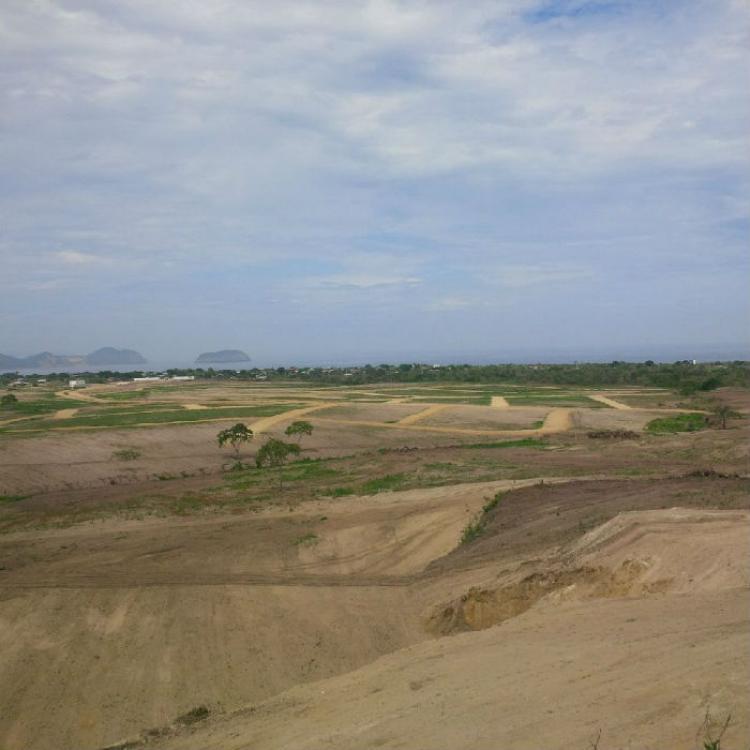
point(8, 401)
point(274, 454)
point(235, 436)
point(723, 412)
point(298, 429)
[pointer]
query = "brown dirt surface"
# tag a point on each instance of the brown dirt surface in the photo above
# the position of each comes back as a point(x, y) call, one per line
point(163, 615)
point(488, 417)
point(606, 588)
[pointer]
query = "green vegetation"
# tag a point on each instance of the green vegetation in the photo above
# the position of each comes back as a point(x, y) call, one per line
point(199, 713)
point(44, 405)
point(476, 527)
point(342, 491)
point(8, 401)
point(308, 469)
point(382, 484)
point(677, 423)
point(722, 412)
point(123, 395)
point(298, 429)
point(12, 498)
point(235, 436)
point(306, 540)
point(126, 454)
point(137, 418)
point(521, 443)
point(274, 454)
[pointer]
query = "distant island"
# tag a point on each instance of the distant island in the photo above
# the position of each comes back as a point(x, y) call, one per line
point(105, 356)
point(223, 356)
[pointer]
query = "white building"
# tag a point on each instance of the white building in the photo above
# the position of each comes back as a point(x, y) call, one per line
point(77, 383)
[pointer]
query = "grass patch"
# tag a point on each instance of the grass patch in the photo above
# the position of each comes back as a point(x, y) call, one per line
point(122, 395)
point(521, 443)
point(341, 491)
point(308, 469)
point(12, 498)
point(135, 419)
point(38, 407)
point(383, 484)
point(306, 540)
point(677, 423)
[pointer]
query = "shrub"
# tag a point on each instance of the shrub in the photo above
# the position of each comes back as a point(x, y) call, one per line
point(476, 527)
point(127, 454)
point(677, 423)
point(199, 713)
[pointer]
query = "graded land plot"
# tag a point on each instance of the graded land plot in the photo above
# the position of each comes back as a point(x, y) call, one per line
point(380, 412)
point(489, 417)
point(614, 419)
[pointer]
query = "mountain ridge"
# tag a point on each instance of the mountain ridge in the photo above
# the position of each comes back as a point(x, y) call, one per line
point(106, 355)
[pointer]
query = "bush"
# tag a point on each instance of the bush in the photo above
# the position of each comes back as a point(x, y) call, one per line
point(678, 423)
point(8, 401)
point(127, 454)
point(199, 713)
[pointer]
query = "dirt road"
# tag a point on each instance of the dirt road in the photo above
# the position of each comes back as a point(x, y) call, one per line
point(420, 415)
point(609, 401)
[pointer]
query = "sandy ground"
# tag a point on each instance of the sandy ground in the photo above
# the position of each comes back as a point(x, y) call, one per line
point(489, 417)
point(499, 402)
point(609, 401)
point(640, 673)
point(422, 415)
point(135, 623)
point(360, 622)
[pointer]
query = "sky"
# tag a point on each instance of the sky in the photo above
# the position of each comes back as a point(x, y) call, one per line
point(375, 180)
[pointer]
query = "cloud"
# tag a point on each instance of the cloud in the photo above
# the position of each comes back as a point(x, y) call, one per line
point(520, 276)
point(409, 155)
point(76, 258)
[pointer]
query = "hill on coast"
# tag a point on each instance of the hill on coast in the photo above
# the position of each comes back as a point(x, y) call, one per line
point(223, 355)
point(107, 355)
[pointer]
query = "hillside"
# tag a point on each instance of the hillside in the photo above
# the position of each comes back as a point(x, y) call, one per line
point(107, 355)
point(222, 356)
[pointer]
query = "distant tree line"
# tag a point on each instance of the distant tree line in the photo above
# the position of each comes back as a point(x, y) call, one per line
point(683, 376)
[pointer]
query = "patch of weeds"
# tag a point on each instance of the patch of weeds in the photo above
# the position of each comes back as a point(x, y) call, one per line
point(126, 454)
point(306, 540)
point(199, 713)
point(476, 527)
point(522, 443)
point(440, 466)
point(678, 423)
point(341, 491)
point(308, 468)
point(12, 498)
point(165, 477)
point(382, 484)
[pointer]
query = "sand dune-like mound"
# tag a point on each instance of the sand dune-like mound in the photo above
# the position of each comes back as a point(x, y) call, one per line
point(635, 554)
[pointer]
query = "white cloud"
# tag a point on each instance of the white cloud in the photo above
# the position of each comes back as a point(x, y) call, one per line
point(373, 150)
point(76, 258)
point(518, 276)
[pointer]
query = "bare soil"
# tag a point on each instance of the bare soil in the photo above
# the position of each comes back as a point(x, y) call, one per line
point(606, 591)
